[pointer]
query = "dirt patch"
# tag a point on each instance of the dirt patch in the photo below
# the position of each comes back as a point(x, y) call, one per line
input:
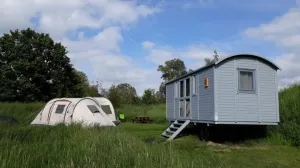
point(227, 148)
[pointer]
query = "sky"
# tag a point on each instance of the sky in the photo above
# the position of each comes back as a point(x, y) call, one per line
point(118, 41)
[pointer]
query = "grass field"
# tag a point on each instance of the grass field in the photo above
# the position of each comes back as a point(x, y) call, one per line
point(140, 145)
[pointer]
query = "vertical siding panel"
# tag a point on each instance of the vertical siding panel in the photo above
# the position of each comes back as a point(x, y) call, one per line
point(246, 103)
point(268, 89)
point(258, 88)
point(276, 101)
point(194, 101)
point(225, 89)
point(206, 95)
point(198, 95)
point(236, 83)
point(170, 100)
point(215, 95)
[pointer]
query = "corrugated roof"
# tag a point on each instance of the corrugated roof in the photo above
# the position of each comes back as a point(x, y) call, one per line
point(222, 60)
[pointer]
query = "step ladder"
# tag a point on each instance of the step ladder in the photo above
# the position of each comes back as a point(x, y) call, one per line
point(174, 129)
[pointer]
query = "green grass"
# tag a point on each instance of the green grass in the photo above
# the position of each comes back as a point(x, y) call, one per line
point(140, 145)
point(129, 145)
point(156, 112)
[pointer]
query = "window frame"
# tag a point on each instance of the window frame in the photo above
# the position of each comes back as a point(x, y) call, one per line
point(184, 98)
point(253, 71)
point(187, 87)
point(194, 92)
point(181, 90)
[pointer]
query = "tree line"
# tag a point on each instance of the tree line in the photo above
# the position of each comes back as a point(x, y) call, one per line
point(35, 68)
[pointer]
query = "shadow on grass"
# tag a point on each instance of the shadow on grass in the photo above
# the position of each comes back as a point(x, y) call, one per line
point(227, 133)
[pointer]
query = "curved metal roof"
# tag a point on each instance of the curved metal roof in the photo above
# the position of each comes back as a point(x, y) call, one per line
point(222, 60)
point(248, 55)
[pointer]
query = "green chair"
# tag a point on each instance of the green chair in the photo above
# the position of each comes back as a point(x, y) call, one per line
point(122, 116)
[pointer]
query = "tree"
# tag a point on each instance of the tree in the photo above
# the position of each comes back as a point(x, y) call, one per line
point(127, 93)
point(149, 97)
point(211, 61)
point(161, 93)
point(113, 95)
point(172, 69)
point(34, 68)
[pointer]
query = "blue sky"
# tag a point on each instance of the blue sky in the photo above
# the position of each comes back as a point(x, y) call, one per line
point(125, 41)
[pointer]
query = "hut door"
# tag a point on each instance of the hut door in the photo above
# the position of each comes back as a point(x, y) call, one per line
point(185, 98)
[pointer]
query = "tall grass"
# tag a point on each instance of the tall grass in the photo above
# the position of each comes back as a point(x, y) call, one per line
point(23, 112)
point(127, 145)
point(98, 147)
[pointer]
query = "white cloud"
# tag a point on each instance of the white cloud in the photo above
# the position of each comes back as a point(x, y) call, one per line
point(148, 44)
point(192, 55)
point(58, 17)
point(280, 30)
point(159, 56)
point(108, 64)
point(100, 53)
point(289, 64)
point(106, 40)
point(284, 31)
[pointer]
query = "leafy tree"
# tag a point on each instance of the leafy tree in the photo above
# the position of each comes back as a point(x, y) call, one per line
point(172, 69)
point(160, 95)
point(113, 94)
point(211, 61)
point(149, 97)
point(127, 93)
point(34, 68)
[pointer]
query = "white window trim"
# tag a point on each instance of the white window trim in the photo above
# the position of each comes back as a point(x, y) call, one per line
point(194, 85)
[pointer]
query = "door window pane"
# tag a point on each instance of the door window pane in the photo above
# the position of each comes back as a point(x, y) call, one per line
point(187, 86)
point(188, 107)
point(181, 108)
point(181, 89)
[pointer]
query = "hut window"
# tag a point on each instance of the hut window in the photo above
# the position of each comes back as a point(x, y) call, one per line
point(93, 109)
point(181, 89)
point(60, 109)
point(188, 86)
point(246, 80)
point(106, 109)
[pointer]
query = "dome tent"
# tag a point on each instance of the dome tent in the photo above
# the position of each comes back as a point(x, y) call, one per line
point(85, 111)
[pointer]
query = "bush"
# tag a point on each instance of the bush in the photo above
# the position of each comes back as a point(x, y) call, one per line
point(289, 105)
